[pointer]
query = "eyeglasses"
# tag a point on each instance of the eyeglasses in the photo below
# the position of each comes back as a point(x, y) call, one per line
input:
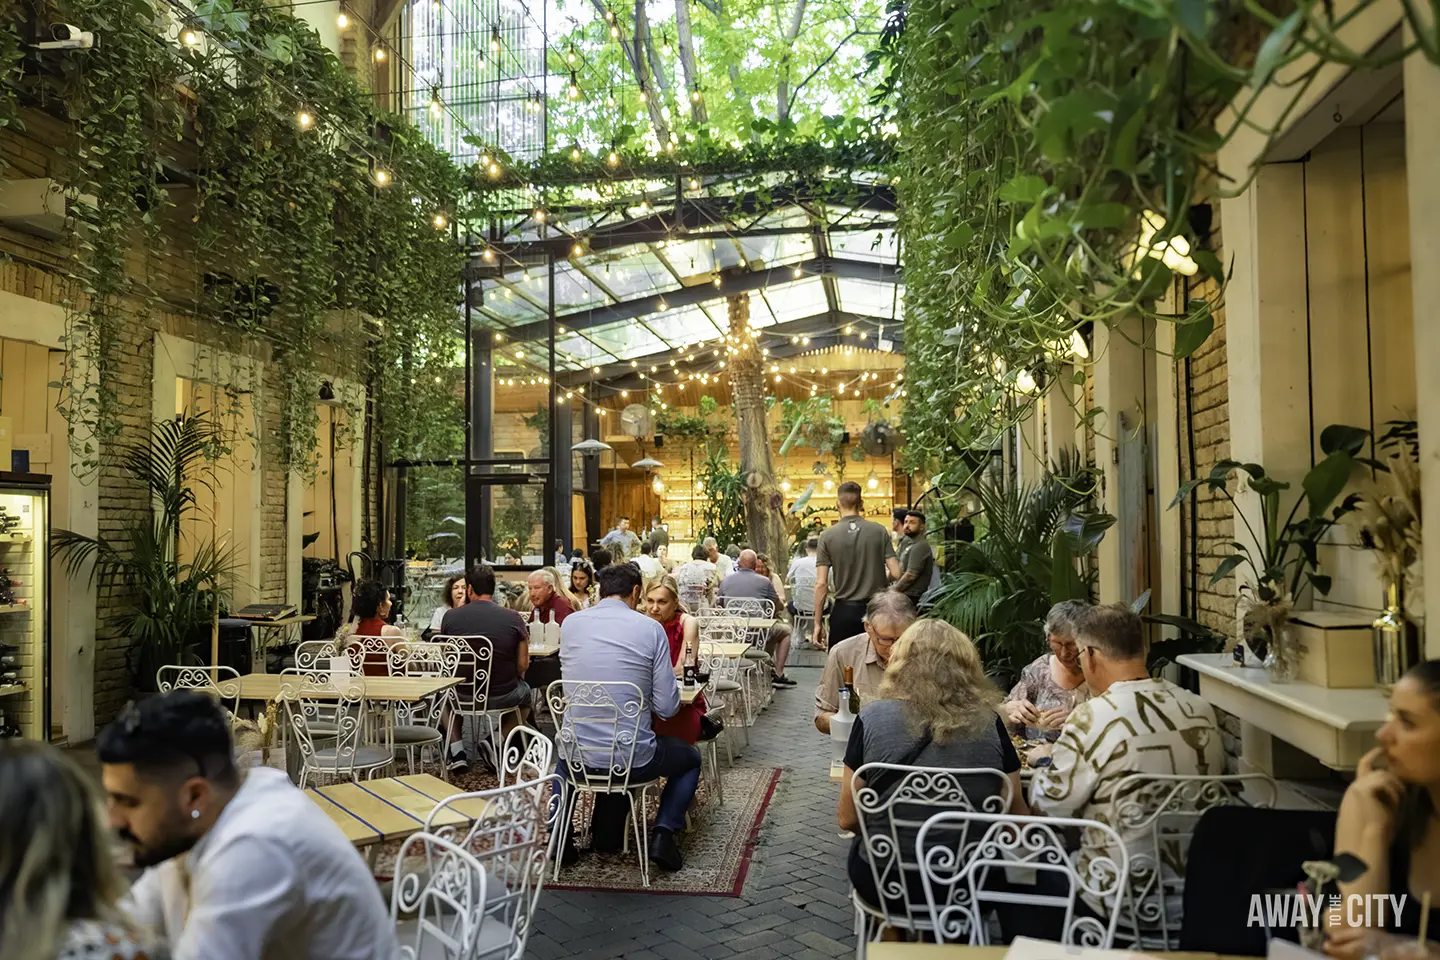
point(878, 635)
point(132, 723)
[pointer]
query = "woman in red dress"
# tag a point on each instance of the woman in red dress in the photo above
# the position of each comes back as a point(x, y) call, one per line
point(370, 602)
point(662, 603)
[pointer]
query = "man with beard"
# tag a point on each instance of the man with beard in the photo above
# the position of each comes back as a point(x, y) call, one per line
point(237, 868)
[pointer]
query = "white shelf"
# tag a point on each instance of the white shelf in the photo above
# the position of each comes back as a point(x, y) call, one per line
point(10, 690)
point(1336, 727)
point(14, 607)
point(14, 538)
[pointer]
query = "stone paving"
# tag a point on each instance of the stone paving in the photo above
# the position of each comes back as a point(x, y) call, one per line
point(796, 899)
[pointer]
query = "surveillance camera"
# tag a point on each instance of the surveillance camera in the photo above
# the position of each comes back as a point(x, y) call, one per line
point(68, 37)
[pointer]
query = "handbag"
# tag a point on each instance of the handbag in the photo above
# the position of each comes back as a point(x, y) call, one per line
point(710, 728)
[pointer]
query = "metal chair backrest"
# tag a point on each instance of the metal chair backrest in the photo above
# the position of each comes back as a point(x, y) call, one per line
point(509, 838)
point(424, 659)
point(223, 683)
point(719, 628)
point(341, 705)
point(891, 820)
point(528, 756)
point(802, 591)
point(959, 851)
point(1162, 811)
point(444, 888)
point(756, 607)
point(597, 725)
point(370, 655)
point(475, 660)
point(314, 655)
point(720, 666)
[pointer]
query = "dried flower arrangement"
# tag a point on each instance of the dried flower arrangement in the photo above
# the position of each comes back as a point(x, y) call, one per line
point(1387, 513)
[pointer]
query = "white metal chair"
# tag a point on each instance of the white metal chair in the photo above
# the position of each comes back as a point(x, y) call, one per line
point(325, 712)
point(372, 652)
point(510, 838)
point(472, 696)
point(528, 756)
point(728, 684)
point(222, 683)
point(1157, 814)
point(314, 654)
point(963, 856)
point(440, 889)
point(802, 594)
point(421, 725)
point(598, 723)
point(889, 824)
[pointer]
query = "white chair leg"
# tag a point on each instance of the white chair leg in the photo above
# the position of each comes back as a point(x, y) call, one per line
point(642, 835)
point(563, 826)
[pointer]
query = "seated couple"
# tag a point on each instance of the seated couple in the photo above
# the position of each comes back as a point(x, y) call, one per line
point(613, 642)
point(937, 709)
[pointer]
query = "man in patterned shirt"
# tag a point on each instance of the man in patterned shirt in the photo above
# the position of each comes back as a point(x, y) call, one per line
point(1133, 724)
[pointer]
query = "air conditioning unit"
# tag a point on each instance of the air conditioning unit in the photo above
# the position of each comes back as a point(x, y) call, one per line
point(38, 206)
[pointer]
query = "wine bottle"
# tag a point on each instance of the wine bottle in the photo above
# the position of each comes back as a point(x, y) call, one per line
point(854, 699)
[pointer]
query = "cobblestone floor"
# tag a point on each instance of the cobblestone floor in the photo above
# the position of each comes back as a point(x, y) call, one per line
point(796, 900)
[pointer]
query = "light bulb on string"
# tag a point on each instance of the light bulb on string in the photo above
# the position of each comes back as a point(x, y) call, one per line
point(342, 19)
point(494, 170)
point(494, 39)
point(575, 153)
point(305, 120)
point(695, 96)
point(440, 221)
point(574, 88)
point(382, 177)
point(613, 159)
point(665, 46)
point(379, 54)
point(644, 97)
point(614, 32)
point(191, 38)
point(609, 15)
point(539, 218)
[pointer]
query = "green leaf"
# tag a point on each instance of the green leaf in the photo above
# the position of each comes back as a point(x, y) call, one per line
point(1321, 581)
point(1192, 334)
point(1339, 438)
point(1026, 188)
point(1209, 264)
point(1225, 569)
point(1325, 481)
point(1274, 48)
point(1193, 16)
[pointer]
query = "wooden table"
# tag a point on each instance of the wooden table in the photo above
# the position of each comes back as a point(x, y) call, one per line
point(267, 686)
point(371, 812)
point(688, 694)
point(544, 649)
point(932, 951)
point(731, 651)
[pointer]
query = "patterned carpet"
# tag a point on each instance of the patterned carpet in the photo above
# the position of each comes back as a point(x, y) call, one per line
point(717, 848)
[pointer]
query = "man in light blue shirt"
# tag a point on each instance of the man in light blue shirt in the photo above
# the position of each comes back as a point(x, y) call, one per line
point(612, 642)
point(622, 541)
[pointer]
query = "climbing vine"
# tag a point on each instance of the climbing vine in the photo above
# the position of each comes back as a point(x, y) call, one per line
point(1057, 163)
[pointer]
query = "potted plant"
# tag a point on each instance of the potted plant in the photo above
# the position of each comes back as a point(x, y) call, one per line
point(1283, 555)
point(168, 598)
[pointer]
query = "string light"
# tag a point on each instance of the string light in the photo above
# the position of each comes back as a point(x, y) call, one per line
point(382, 177)
point(695, 96)
point(614, 31)
point(613, 159)
point(575, 153)
point(665, 45)
point(489, 254)
point(440, 221)
point(539, 218)
point(694, 184)
point(342, 20)
point(379, 54)
point(796, 273)
point(494, 170)
point(305, 120)
point(574, 88)
point(191, 38)
point(495, 39)
point(577, 250)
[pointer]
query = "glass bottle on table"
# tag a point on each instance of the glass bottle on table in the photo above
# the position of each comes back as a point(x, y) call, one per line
point(841, 723)
point(854, 697)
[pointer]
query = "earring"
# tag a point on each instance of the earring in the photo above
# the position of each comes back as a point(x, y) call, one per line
point(194, 814)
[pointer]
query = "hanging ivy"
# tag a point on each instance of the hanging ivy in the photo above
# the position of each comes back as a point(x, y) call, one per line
point(1053, 155)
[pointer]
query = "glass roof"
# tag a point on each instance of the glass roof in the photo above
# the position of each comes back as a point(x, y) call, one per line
point(794, 300)
point(682, 326)
point(626, 339)
point(880, 246)
point(870, 297)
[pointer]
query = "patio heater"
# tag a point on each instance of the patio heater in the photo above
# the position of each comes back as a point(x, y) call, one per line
point(590, 447)
point(647, 464)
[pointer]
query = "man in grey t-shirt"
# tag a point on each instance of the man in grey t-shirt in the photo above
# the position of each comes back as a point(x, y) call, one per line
point(917, 560)
point(855, 561)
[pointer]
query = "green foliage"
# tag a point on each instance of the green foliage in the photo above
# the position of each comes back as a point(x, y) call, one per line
point(723, 512)
point(813, 422)
point(1052, 154)
point(287, 224)
point(1031, 555)
point(516, 518)
point(168, 598)
point(1285, 554)
point(700, 428)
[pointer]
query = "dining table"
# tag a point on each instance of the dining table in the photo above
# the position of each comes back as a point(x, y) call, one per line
point(372, 812)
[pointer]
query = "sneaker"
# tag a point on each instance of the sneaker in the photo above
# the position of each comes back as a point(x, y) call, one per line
point(664, 851)
point(458, 763)
point(782, 682)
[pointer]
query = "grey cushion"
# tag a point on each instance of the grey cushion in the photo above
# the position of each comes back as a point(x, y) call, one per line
point(406, 733)
point(364, 757)
point(756, 654)
point(727, 686)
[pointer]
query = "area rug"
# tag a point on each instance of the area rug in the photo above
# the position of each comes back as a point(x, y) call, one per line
point(717, 848)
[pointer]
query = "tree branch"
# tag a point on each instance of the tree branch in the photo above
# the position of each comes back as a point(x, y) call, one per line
point(783, 99)
point(811, 75)
point(698, 113)
point(637, 66)
point(644, 35)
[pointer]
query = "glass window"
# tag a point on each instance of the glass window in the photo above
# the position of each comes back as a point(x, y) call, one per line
point(871, 246)
point(870, 298)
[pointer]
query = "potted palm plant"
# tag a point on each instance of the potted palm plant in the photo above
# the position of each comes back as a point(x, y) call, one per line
point(173, 578)
point(1284, 552)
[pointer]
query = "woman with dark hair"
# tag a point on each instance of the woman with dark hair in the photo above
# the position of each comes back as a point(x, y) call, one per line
point(1390, 818)
point(370, 604)
point(582, 585)
point(58, 884)
point(452, 596)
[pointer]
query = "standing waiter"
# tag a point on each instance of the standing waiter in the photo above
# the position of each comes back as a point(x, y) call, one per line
point(858, 555)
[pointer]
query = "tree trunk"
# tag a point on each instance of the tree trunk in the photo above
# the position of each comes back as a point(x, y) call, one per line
point(644, 36)
point(698, 113)
point(764, 521)
point(782, 89)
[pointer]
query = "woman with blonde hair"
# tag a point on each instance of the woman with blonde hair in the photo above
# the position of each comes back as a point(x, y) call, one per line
point(662, 603)
point(936, 709)
point(58, 883)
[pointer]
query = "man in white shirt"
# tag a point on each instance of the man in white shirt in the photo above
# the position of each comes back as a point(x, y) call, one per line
point(804, 565)
point(724, 566)
point(649, 566)
point(1133, 724)
point(237, 869)
point(697, 578)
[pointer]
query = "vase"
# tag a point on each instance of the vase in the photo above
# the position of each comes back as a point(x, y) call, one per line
point(1395, 639)
point(1267, 629)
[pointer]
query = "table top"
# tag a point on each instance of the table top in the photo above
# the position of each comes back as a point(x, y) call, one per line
point(283, 622)
point(688, 694)
point(749, 623)
point(267, 686)
point(544, 649)
point(391, 808)
point(949, 951)
point(730, 650)
point(1359, 709)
